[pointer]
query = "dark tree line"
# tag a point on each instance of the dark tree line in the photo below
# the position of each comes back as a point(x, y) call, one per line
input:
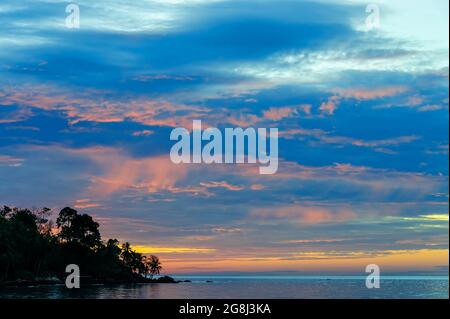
point(33, 247)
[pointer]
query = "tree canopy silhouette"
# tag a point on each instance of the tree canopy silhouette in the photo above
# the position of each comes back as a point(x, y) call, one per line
point(76, 228)
point(33, 247)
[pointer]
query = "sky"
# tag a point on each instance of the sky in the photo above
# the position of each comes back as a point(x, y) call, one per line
point(86, 114)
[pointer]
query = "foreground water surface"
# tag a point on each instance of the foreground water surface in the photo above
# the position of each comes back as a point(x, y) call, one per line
point(258, 287)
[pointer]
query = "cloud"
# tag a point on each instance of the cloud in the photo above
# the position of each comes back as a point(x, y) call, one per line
point(222, 184)
point(378, 171)
point(432, 107)
point(330, 106)
point(279, 113)
point(372, 93)
point(147, 78)
point(101, 107)
point(312, 241)
point(361, 183)
point(304, 214)
point(257, 187)
point(95, 107)
point(20, 127)
point(191, 189)
point(143, 133)
point(85, 203)
point(114, 171)
point(430, 217)
point(119, 171)
point(323, 137)
point(11, 161)
point(363, 94)
point(227, 230)
point(148, 250)
point(438, 150)
point(276, 114)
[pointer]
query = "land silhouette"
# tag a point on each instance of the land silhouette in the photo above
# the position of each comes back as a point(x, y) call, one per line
point(35, 249)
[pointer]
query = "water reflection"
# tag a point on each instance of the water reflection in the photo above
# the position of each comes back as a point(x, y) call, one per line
point(240, 287)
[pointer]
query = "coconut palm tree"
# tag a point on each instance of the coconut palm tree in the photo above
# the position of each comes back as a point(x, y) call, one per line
point(154, 266)
point(127, 255)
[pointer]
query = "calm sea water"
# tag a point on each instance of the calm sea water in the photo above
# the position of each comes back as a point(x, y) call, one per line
point(258, 287)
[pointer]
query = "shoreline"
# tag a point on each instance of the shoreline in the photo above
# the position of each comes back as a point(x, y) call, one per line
point(89, 281)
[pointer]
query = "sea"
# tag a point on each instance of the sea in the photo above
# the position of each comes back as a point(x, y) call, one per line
point(249, 287)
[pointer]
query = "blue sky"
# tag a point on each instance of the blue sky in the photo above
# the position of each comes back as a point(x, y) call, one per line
point(85, 118)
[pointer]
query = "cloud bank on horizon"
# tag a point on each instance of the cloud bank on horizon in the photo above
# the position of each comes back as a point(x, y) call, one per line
point(85, 118)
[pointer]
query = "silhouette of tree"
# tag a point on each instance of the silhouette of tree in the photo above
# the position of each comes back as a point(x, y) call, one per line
point(154, 266)
point(31, 246)
point(23, 248)
point(127, 254)
point(77, 228)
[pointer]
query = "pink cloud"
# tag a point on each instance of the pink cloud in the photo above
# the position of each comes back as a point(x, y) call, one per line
point(257, 187)
point(304, 214)
point(333, 102)
point(222, 184)
point(239, 119)
point(371, 94)
point(276, 114)
point(85, 203)
point(119, 171)
point(330, 106)
point(279, 113)
point(11, 161)
point(94, 106)
point(143, 133)
point(306, 108)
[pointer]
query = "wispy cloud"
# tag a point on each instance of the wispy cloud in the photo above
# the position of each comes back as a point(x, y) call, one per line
point(362, 116)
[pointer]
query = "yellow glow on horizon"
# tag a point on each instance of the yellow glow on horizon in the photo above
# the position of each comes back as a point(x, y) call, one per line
point(431, 217)
point(437, 217)
point(402, 260)
point(170, 250)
